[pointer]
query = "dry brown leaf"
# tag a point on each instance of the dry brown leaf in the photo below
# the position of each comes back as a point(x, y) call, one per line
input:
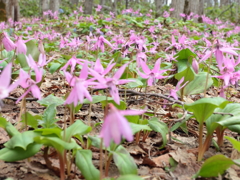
point(161, 161)
point(182, 156)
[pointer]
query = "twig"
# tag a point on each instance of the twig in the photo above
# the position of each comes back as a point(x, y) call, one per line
point(225, 10)
point(27, 99)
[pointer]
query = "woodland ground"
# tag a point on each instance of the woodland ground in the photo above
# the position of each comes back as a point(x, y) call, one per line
point(153, 163)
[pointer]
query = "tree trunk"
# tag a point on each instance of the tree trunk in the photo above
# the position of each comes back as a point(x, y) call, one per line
point(195, 7)
point(102, 2)
point(114, 6)
point(209, 3)
point(215, 2)
point(74, 3)
point(178, 6)
point(88, 5)
point(44, 5)
point(9, 9)
point(225, 2)
point(158, 6)
point(54, 5)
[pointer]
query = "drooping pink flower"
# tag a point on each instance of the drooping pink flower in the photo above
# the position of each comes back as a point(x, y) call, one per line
point(116, 126)
point(79, 84)
point(173, 92)
point(21, 47)
point(7, 42)
point(195, 65)
point(5, 80)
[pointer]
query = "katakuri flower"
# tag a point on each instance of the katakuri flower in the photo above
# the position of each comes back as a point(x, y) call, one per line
point(115, 125)
point(7, 42)
point(111, 83)
point(152, 75)
point(5, 80)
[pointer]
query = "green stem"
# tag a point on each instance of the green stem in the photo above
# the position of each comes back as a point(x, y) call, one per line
point(101, 160)
point(108, 164)
point(200, 147)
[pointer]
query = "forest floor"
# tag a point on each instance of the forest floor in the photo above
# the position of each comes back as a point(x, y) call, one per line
point(176, 161)
point(153, 163)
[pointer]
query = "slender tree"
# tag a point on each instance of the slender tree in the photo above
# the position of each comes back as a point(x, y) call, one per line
point(178, 6)
point(54, 5)
point(88, 6)
point(158, 6)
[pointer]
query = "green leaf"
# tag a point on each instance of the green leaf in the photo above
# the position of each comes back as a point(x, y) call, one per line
point(235, 143)
point(50, 131)
point(53, 67)
point(124, 161)
point(56, 142)
point(214, 166)
point(85, 165)
point(3, 122)
point(203, 108)
point(21, 140)
point(78, 127)
point(32, 49)
point(188, 73)
point(48, 118)
point(197, 85)
point(130, 176)
point(136, 83)
point(11, 130)
point(16, 154)
point(51, 99)
point(184, 64)
point(160, 127)
point(138, 127)
point(30, 120)
point(215, 120)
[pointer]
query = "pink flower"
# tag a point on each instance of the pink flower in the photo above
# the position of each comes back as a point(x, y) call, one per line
point(5, 80)
point(100, 44)
point(116, 125)
point(166, 14)
point(31, 85)
point(152, 75)
point(80, 85)
point(195, 65)
point(99, 7)
point(21, 47)
point(111, 82)
point(7, 42)
point(173, 92)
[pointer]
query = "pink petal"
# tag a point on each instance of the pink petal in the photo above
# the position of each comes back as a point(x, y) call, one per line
point(119, 72)
point(5, 77)
point(145, 68)
point(157, 66)
point(84, 71)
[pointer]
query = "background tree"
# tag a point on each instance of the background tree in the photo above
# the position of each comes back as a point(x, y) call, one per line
point(10, 9)
point(158, 7)
point(54, 5)
point(178, 6)
point(88, 5)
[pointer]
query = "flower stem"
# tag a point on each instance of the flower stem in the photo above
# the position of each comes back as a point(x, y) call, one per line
point(200, 147)
point(108, 164)
point(101, 160)
point(62, 169)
